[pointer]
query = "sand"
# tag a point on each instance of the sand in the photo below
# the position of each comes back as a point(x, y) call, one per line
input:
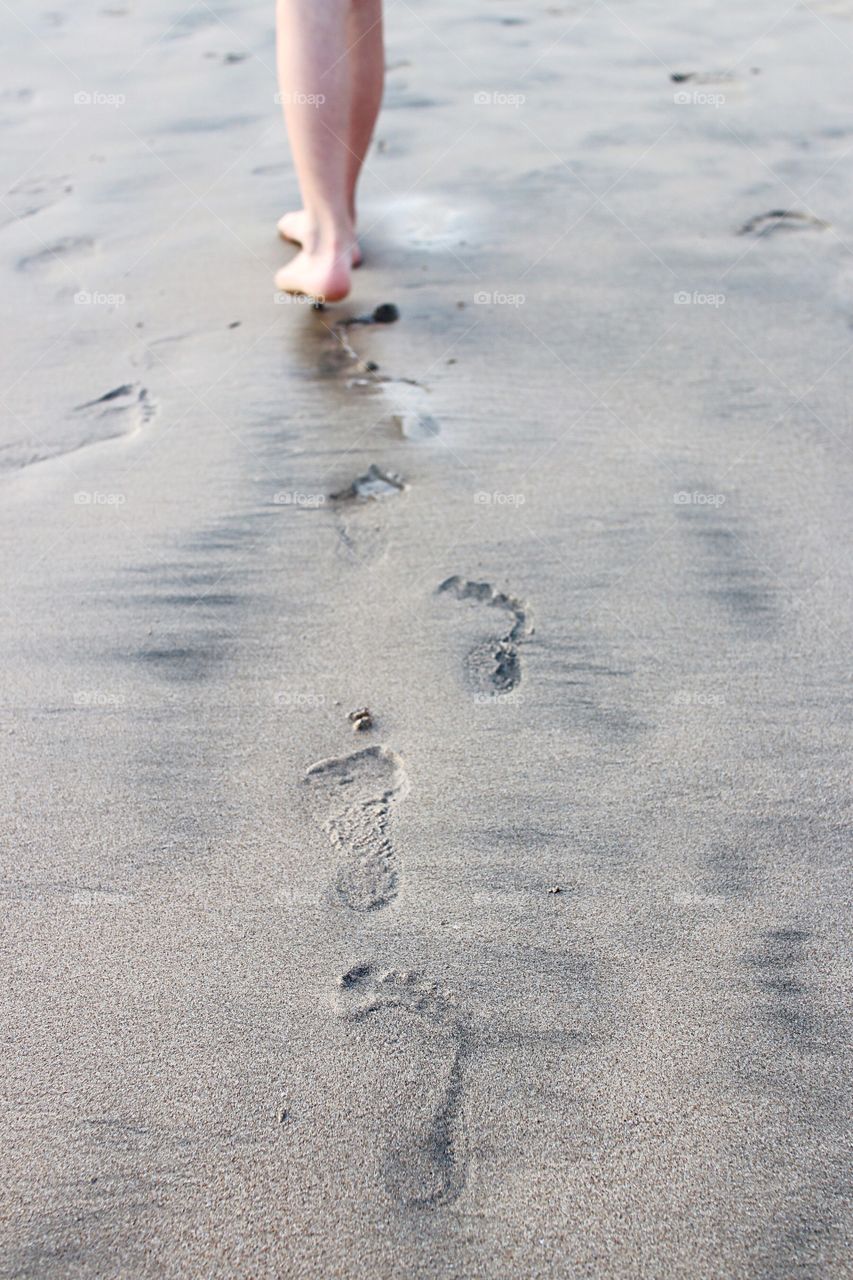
point(546, 973)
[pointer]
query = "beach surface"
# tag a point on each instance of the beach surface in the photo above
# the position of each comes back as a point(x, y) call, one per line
point(543, 967)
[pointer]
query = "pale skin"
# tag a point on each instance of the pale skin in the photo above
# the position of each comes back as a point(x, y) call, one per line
point(330, 70)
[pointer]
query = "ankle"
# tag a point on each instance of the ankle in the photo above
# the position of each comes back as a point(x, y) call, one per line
point(329, 238)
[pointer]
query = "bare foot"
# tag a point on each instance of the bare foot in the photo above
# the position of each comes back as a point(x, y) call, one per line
point(323, 275)
point(294, 227)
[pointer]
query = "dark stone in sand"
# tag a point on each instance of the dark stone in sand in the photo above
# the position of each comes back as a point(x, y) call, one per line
point(386, 313)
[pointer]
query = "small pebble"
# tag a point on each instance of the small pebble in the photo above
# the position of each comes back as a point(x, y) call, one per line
point(386, 313)
point(555, 889)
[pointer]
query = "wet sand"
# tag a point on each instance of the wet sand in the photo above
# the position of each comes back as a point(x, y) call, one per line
point(546, 972)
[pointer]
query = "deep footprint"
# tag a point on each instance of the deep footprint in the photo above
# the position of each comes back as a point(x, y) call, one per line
point(360, 792)
point(424, 1161)
point(494, 666)
point(764, 224)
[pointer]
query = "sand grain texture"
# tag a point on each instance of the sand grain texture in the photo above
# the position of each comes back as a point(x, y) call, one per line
point(267, 1021)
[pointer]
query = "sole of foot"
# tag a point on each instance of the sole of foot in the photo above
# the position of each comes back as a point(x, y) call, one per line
point(322, 277)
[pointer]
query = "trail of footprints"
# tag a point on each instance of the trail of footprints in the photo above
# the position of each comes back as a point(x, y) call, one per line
point(423, 1165)
point(357, 798)
point(359, 792)
point(424, 1162)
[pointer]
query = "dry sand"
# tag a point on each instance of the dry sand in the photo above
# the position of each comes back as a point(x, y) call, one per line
point(285, 999)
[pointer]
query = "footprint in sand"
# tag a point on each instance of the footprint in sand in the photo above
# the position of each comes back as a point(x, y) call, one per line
point(360, 538)
point(407, 401)
point(129, 400)
point(494, 666)
point(120, 412)
point(424, 1162)
point(360, 792)
point(765, 224)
